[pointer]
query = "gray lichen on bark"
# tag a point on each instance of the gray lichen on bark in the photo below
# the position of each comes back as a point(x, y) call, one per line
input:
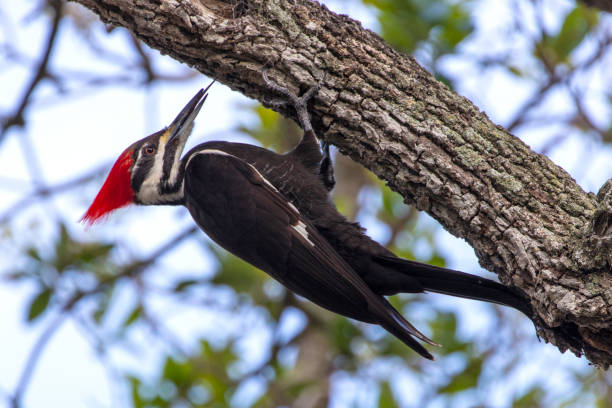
point(526, 218)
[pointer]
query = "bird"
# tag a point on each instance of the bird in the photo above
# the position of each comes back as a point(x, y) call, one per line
point(274, 211)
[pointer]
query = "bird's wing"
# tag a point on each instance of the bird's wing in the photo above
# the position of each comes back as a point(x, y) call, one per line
point(244, 213)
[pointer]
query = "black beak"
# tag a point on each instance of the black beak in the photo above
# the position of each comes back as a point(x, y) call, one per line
point(184, 119)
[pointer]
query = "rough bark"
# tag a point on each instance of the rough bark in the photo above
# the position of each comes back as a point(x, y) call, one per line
point(526, 218)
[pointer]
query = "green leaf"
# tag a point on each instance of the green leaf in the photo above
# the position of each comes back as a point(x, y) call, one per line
point(466, 379)
point(407, 24)
point(93, 252)
point(444, 330)
point(274, 131)
point(236, 273)
point(39, 304)
point(386, 399)
point(515, 70)
point(577, 24)
point(532, 398)
point(184, 284)
point(437, 260)
point(102, 306)
point(556, 49)
point(342, 333)
point(602, 402)
point(179, 373)
point(136, 313)
point(33, 253)
point(137, 401)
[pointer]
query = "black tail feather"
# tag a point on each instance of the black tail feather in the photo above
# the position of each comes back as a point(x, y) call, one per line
point(407, 339)
point(455, 283)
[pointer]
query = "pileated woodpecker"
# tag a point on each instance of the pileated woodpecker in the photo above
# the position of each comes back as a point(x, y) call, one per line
point(274, 212)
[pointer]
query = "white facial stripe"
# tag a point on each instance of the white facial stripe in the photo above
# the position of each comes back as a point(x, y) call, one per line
point(148, 193)
point(301, 229)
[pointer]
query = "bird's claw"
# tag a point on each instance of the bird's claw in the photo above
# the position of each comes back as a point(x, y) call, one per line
point(312, 91)
point(276, 103)
point(299, 102)
point(326, 168)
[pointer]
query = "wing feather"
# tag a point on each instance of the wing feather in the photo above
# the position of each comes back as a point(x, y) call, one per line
point(244, 213)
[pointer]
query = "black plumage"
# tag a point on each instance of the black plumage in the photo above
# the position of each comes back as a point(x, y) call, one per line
point(274, 211)
point(243, 211)
point(250, 200)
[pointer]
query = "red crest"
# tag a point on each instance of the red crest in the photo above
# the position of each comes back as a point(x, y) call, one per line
point(116, 192)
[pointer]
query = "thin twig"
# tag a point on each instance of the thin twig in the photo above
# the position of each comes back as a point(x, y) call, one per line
point(113, 374)
point(16, 119)
point(34, 356)
point(521, 116)
point(145, 61)
point(46, 191)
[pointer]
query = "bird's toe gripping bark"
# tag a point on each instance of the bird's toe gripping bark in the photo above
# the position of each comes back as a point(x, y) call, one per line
point(299, 102)
point(326, 169)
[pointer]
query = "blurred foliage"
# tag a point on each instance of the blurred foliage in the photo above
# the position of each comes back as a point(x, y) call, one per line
point(267, 347)
point(437, 26)
point(200, 379)
point(554, 49)
point(63, 270)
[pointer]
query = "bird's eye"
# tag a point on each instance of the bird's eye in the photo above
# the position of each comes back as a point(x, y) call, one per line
point(148, 150)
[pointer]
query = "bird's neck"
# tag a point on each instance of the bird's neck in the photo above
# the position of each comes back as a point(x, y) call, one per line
point(171, 189)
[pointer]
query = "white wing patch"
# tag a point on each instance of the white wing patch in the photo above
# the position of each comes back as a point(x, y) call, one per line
point(293, 207)
point(300, 227)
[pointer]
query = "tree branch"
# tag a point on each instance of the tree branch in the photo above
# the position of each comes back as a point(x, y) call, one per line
point(526, 218)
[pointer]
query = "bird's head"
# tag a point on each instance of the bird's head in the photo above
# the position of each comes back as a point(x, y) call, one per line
point(149, 171)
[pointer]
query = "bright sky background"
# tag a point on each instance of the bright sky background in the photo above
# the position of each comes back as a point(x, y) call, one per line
point(79, 133)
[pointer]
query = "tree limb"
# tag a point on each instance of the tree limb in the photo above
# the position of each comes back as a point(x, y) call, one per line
point(526, 218)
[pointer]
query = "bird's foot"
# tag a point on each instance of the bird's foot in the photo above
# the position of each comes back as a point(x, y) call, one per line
point(299, 102)
point(326, 168)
